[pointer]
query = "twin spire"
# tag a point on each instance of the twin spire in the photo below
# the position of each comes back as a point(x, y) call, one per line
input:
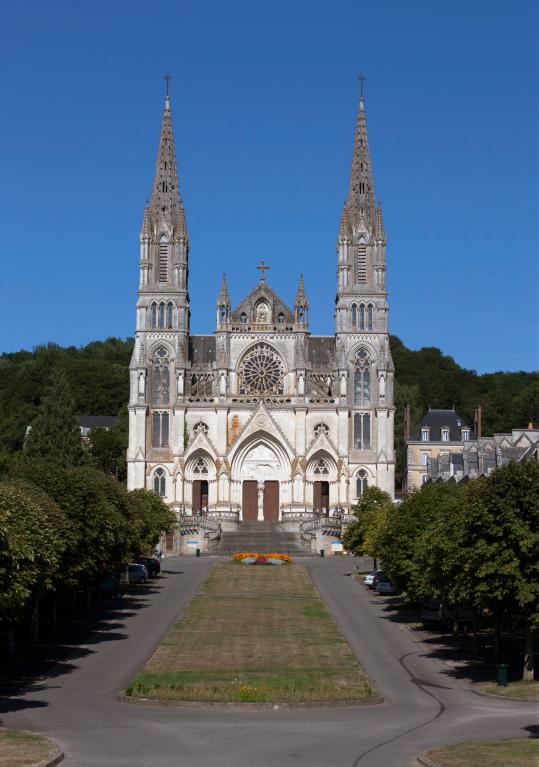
point(166, 204)
point(360, 208)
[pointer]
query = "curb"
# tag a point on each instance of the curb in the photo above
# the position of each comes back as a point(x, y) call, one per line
point(55, 759)
point(237, 705)
point(505, 697)
point(423, 759)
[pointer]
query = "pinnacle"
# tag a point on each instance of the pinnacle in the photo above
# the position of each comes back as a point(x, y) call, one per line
point(360, 201)
point(301, 298)
point(224, 298)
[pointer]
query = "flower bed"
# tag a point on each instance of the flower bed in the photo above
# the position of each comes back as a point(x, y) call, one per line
point(258, 558)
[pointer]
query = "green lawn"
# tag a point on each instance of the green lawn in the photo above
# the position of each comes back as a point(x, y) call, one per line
point(515, 690)
point(496, 753)
point(254, 634)
point(22, 749)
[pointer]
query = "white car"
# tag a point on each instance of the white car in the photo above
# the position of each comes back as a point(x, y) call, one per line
point(386, 587)
point(369, 579)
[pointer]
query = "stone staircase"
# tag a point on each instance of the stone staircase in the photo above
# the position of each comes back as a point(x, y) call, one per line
point(260, 536)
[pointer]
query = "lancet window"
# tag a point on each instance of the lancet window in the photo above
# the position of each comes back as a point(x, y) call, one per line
point(362, 482)
point(159, 482)
point(161, 377)
point(200, 467)
point(160, 422)
point(362, 378)
point(321, 468)
point(162, 272)
point(362, 431)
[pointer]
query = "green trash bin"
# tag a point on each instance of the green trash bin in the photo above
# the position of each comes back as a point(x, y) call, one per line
point(503, 669)
point(198, 552)
point(322, 552)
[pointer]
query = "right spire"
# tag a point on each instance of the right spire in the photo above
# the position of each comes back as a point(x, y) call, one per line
point(360, 203)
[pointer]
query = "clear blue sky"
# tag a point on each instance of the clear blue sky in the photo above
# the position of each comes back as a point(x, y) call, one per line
point(264, 98)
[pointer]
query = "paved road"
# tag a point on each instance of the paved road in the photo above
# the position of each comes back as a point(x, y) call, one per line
point(424, 705)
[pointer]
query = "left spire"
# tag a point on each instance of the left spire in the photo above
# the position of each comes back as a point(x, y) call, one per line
point(166, 205)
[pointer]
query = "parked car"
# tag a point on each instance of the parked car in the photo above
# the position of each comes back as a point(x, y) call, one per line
point(386, 587)
point(110, 587)
point(369, 578)
point(152, 565)
point(137, 573)
point(379, 576)
point(437, 614)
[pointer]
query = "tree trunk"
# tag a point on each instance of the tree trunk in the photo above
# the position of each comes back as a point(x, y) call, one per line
point(11, 642)
point(497, 647)
point(527, 675)
point(34, 630)
point(375, 564)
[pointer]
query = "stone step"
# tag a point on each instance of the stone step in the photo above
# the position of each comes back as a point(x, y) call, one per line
point(260, 536)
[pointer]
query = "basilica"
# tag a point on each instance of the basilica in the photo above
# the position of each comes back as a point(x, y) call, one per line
point(260, 420)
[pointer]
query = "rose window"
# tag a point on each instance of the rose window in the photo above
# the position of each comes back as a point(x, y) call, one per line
point(261, 372)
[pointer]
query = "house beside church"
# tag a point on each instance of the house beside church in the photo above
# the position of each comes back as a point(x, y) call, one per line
point(259, 419)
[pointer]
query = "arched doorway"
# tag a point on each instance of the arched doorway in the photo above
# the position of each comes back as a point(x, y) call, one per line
point(260, 472)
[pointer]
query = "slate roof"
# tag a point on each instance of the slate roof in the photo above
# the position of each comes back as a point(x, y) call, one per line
point(202, 349)
point(321, 350)
point(437, 420)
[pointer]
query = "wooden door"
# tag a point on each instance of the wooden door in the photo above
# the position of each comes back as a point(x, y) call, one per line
point(204, 494)
point(324, 495)
point(271, 501)
point(249, 506)
point(317, 496)
point(197, 496)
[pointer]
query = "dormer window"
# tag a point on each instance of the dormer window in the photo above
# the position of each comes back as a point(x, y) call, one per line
point(425, 435)
point(465, 435)
point(280, 319)
point(243, 318)
point(445, 435)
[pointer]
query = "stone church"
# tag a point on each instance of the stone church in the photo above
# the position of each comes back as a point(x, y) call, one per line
point(261, 420)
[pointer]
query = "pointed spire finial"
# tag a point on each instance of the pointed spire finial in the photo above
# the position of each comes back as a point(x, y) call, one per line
point(262, 268)
point(167, 78)
point(223, 299)
point(301, 298)
point(362, 79)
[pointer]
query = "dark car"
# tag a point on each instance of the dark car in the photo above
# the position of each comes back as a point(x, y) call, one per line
point(152, 565)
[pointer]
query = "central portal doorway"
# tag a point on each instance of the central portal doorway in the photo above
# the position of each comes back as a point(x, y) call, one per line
point(321, 496)
point(271, 501)
point(249, 504)
point(200, 495)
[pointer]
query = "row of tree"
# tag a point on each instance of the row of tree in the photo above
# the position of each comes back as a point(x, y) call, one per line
point(65, 524)
point(474, 543)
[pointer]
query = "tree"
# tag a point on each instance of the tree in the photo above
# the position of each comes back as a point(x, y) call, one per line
point(33, 537)
point(525, 406)
point(361, 536)
point(152, 518)
point(108, 446)
point(55, 434)
point(499, 547)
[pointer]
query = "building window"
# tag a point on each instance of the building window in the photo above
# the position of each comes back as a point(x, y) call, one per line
point(361, 482)
point(159, 429)
point(425, 435)
point(243, 318)
point(362, 431)
point(161, 377)
point(362, 262)
point(424, 459)
point(362, 378)
point(161, 318)
point(321, 467)
point(445, 435)
point(200, 467)
point(424, 478)
point(362, 317)
point(369, 317)
point(170, 310)
point(163, 259)
point(154, 315)
point(280, 319)
point(465, 435)
point(159, 482)
point(354, 315)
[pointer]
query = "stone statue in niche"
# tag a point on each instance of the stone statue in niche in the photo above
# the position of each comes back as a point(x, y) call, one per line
point(180, 384)
point(343, 385)
point(382, 387)
point(262, 313)
point(141, 385)
point(222, 385)
point(301, 386)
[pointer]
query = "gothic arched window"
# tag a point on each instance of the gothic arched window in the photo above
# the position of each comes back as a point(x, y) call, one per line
point(362, 378)
point(362, 317)
point(280, 319)
point(159, 482)
point(369, 316)
point(321, 467)
point(153, 315)
point(170, 310)
point(354, 315)
point(161, 315)
point(361, 482)
point(200, 467)
point(159, 429)
point(161, 377)
point(243, 318)
point(162, 272)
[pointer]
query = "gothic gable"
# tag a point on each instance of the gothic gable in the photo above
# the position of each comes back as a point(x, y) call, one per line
point(263, 306)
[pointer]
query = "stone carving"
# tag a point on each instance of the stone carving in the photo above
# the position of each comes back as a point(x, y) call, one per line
point(261, 372)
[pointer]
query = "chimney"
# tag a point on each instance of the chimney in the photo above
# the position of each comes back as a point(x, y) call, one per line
point(478, 433)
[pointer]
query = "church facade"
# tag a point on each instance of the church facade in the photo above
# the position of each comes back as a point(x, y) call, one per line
point(261, 420)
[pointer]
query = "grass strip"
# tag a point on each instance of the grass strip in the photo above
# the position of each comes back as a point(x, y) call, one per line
point(228, 646)
point(496, 753)
point(515, 690)
point(23, 749)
